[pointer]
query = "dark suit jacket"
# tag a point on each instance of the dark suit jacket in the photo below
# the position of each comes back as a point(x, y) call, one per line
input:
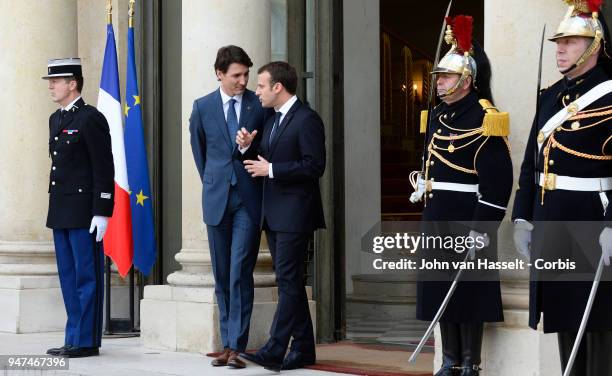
point(216, 154)
point(292, 199)
point(82, 177)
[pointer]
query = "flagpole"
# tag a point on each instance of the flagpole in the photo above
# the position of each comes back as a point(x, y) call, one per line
point(107, 261)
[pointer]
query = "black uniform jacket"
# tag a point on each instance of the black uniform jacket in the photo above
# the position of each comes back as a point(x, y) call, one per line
point(582, 149)
point(459, 152)
point(81, 182)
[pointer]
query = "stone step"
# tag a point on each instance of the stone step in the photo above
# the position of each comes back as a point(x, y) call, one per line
point(384, 287)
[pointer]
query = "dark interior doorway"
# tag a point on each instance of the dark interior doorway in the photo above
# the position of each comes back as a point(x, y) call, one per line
point(408, 47)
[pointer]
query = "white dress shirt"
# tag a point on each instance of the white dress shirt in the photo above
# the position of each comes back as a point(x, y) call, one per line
point(237, 106)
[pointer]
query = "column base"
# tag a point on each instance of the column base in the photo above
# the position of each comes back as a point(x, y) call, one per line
point(31, 304)
point(187, 318)
point(512, 348)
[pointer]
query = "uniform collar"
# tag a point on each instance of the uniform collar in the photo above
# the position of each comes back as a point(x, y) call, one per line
point(454, 110)
point(586, 81)
point(72, 104)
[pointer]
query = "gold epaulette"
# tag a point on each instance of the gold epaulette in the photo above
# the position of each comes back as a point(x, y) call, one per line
point(495, 123)
point(423, 128)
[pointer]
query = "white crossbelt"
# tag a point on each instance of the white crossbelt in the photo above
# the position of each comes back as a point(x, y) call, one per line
point(457, 187)
point(570, 183)
point(569, 111)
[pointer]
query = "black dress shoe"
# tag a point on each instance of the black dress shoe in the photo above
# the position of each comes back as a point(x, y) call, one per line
point(262, 360)
point(295, 360)
point(80, 352)
point(57, 350)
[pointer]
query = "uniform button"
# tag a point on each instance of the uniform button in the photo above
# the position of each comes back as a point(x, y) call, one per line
point(67, 142)
point(54, 153)
point(52, 183)
point(439, 130)
point(551, 162)
point(431, 163)
point(80, 190)
point(56, 138)
point(559, 129)
point(431, 195)
point(432, 179)
point(53, 168)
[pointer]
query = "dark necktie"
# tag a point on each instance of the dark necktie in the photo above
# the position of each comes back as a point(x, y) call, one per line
point(62, 116)
point(232, 119)
point(277, 117)
point(232, 127)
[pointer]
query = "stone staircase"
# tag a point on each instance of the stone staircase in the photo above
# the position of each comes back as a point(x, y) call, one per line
point(382, 309)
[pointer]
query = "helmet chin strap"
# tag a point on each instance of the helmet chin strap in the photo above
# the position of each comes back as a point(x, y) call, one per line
point(589, 51)
point(453, 89)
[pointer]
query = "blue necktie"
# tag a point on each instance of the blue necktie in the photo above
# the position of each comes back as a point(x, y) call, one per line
point(232, 127)
point(277, 117)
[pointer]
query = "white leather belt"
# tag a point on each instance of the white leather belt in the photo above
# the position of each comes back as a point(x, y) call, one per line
point(570, 183)
point(457, 187)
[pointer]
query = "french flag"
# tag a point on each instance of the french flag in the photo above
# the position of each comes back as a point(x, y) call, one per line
point(118, 239)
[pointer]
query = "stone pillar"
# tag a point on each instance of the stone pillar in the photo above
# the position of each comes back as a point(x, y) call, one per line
point(28, 274)
point(512, 41)
point(183, 315)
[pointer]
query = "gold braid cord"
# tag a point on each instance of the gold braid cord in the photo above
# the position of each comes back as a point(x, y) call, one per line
point(555, 144)
point(451, 164)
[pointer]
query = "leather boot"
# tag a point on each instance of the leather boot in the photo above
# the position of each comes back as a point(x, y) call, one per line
point(599, 361)
point(451, 349)
point(566, 343)
point(471, 345)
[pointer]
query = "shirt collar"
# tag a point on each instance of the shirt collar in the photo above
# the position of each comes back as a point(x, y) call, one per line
point(226, 98)
point(71, 104)
point(287, 106)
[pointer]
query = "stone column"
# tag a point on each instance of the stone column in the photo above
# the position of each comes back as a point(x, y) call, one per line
point(183, 315)
point(512, 41)
point(28, 274)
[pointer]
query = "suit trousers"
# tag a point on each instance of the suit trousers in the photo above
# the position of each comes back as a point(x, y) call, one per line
point(234, 244)
point(81, 270)
point(292, 316)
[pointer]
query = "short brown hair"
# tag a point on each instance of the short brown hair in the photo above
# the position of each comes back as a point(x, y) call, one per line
point(282, 72)
point(228, 55)
point(79, 82)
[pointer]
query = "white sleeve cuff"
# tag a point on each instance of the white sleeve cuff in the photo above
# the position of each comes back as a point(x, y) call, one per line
point(492, 205)
point(270, 174)
point(242, 151)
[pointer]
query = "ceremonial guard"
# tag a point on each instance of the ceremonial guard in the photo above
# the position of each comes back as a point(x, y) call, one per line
point(467, 176)
point(566, 175)
point(81, 201)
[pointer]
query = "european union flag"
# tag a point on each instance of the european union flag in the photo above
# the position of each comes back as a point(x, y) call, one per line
point(143, 231)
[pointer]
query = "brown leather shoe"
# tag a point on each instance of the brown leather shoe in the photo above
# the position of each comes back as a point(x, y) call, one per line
point(221, 360)
point(234, 362)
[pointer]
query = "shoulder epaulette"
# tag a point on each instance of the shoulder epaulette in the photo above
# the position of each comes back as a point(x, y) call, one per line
point(423, 128)
point(495, 123)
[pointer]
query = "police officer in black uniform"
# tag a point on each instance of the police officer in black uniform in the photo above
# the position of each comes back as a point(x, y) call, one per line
point(566, 175)
point(81, 199)
point(467, 177)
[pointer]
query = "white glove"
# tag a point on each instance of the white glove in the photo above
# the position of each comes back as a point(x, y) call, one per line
point(420, 191)
point(483, 241)
point(100, 223)
point(522, 237)
point(605, 240)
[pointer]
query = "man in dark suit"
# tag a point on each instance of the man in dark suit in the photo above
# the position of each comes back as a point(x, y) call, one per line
point(231, 199)
point(291, 158)
point(80, 202)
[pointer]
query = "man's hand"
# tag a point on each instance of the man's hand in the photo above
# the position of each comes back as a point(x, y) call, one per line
point(522, 237)
point(483, 242)
point(100, 223)
point(605, 240)
point(417, 195)
point(244, 138)
point(257, 168)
